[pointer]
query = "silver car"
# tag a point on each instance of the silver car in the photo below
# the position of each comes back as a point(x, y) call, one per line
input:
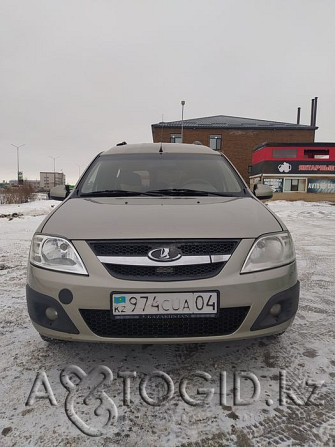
point(162, 243)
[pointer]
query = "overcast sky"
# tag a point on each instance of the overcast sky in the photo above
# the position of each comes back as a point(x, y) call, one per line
point(79, 76)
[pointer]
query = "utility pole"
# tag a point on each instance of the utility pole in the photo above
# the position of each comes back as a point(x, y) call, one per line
point(54, 159)
point(182, 120)
point(19, 180)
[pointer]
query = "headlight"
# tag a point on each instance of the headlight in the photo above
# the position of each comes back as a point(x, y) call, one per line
point(55, 253)
point(273, 250)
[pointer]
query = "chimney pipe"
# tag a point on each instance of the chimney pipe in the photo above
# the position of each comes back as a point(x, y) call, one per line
point(298, 115)
point(312, 111)
point(315, 109)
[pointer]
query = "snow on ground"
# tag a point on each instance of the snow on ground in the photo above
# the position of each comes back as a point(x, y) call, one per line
point(306, 352)
point(37, 208)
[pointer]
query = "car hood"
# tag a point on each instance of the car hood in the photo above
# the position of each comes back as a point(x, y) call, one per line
point(152, 218)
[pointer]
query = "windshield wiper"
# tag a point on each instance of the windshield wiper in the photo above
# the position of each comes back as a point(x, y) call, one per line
point(157, 193)
point(191, 192)
point(116, 193)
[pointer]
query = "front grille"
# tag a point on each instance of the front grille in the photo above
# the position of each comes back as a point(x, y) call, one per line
point(194, 247)
point(162, 273)
point(226, 322)
point(191, 247)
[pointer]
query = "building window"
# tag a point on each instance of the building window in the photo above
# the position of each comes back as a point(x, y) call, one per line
point(284, 153)
point(175, 138)
point(313, 154)
point(275, 183)
point(215, 142)
point(294, 184)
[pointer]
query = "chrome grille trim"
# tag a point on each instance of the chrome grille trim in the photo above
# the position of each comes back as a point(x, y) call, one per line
point(145, 261)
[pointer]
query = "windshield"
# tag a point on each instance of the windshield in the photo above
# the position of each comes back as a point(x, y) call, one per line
point(161, 174)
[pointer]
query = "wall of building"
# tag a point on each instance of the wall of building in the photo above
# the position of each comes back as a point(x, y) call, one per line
point(49, 180)
point(237, 144)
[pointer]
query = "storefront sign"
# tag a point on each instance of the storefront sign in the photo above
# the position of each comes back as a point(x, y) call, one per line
point(294, 167)
point(317, 167)
point(275, 183)
point(316, 185)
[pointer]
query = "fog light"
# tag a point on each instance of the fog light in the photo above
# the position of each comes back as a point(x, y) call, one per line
point(51, 313)
point(275, 310)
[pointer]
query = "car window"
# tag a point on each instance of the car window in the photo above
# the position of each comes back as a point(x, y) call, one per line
point(150, 172)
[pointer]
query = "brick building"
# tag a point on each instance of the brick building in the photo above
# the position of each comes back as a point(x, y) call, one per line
point(235, 137)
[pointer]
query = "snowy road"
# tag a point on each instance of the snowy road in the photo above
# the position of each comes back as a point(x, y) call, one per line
point(304, 355)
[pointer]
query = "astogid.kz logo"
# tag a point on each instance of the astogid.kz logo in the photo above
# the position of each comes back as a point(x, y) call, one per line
point(93, 412)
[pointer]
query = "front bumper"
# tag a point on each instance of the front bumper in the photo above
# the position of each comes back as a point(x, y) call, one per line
point(91, 296)
point(99, 322)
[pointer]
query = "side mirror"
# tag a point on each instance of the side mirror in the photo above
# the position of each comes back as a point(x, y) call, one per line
point(263, 192)
point(59, 192)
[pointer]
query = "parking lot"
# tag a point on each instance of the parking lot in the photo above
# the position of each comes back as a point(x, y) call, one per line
point(251, 393)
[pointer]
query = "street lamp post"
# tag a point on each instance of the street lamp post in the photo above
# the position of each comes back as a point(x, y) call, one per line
point(182, 120)
point(18, 161)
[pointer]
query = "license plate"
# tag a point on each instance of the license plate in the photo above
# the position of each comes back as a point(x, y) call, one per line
point(151, 304)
